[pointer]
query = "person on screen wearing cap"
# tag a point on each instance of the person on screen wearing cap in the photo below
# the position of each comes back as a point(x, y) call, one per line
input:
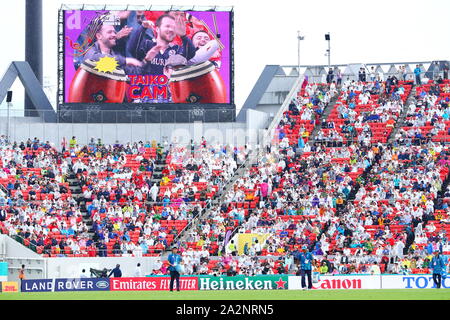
point(305, 259)
point(174, 260)
point(439, 268)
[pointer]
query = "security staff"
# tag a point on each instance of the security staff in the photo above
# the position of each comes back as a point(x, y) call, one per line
point(305, 259)
point(174, 260)
point(438, 266)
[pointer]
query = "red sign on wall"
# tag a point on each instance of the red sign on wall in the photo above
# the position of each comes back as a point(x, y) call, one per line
point(151, 284)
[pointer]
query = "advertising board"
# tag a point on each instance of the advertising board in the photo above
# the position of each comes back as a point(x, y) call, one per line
point(71, 284)
point(151, 283)
point(339, 282)
point(128, 64)
point(263, 282)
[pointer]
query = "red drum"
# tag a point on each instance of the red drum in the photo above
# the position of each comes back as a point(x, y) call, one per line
point(200, 83)
point(92, 86)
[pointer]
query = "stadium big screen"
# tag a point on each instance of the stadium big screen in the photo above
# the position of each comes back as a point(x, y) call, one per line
point(145, 66)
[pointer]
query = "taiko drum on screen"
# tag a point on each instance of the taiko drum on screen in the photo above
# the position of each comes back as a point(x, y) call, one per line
point(91, 84)
point(200, 83)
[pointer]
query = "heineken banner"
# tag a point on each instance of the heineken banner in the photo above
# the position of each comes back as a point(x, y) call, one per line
point(262, 282)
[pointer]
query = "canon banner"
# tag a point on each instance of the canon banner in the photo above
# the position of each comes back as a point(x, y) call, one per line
point(151, 57)
point(339, 282)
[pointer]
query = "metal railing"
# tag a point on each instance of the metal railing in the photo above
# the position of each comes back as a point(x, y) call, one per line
point(221, 192)
point(182, 125)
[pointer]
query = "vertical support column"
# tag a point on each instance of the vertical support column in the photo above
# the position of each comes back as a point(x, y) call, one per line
point(33, 46)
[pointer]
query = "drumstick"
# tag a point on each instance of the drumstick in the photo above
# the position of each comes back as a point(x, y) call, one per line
point(214, 35)
point(215, 26)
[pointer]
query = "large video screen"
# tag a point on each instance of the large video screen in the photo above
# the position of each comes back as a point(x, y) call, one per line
point(150, 57)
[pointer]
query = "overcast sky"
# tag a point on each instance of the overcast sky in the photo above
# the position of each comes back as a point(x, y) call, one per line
point(265, 33)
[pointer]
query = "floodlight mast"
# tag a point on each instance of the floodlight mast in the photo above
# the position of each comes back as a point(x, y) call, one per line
point(327, 38)
point(299, 38)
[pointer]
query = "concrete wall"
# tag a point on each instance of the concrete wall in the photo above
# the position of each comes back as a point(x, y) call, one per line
point(16, 255)
point(37, 267)
point(11, 248)
point(256, 120)
point(23, 128)
point(270, 109)
point(71, 267)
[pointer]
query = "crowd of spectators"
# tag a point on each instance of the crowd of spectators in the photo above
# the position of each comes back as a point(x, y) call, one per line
point(301, 193)
point(359, 204)
point(129, 214)
point(365, 112)
point(427, 116)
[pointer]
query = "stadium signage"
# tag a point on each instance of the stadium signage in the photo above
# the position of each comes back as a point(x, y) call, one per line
point(102, 284)
point(423, 281)
point(71, 284)
point(269, 282)
point(42, 285)
point(339, 282)
point(9, 286)
point(150, 284)
point(76, 284)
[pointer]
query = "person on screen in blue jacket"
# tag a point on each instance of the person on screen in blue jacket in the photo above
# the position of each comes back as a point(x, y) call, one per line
point(154, 52)
point(439, 268)
point(305, 259)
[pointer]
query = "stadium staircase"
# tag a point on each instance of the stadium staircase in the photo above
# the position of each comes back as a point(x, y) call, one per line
point(326, 112)
point(159, 166)
point(439, 200)
point(251, 160)
point(76, 190)
point(215, 202)
point(401, 120)
point(158, 169)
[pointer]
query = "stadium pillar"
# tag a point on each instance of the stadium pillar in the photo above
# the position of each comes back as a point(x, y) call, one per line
point(33, 46)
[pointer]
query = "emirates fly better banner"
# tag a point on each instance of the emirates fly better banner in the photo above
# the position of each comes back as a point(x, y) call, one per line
point(155, 57)
point(151, 283)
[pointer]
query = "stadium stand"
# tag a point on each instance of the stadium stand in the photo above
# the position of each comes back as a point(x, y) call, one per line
point(330, 179)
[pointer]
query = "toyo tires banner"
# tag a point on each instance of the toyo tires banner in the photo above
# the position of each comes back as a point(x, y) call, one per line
point(412, 281)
